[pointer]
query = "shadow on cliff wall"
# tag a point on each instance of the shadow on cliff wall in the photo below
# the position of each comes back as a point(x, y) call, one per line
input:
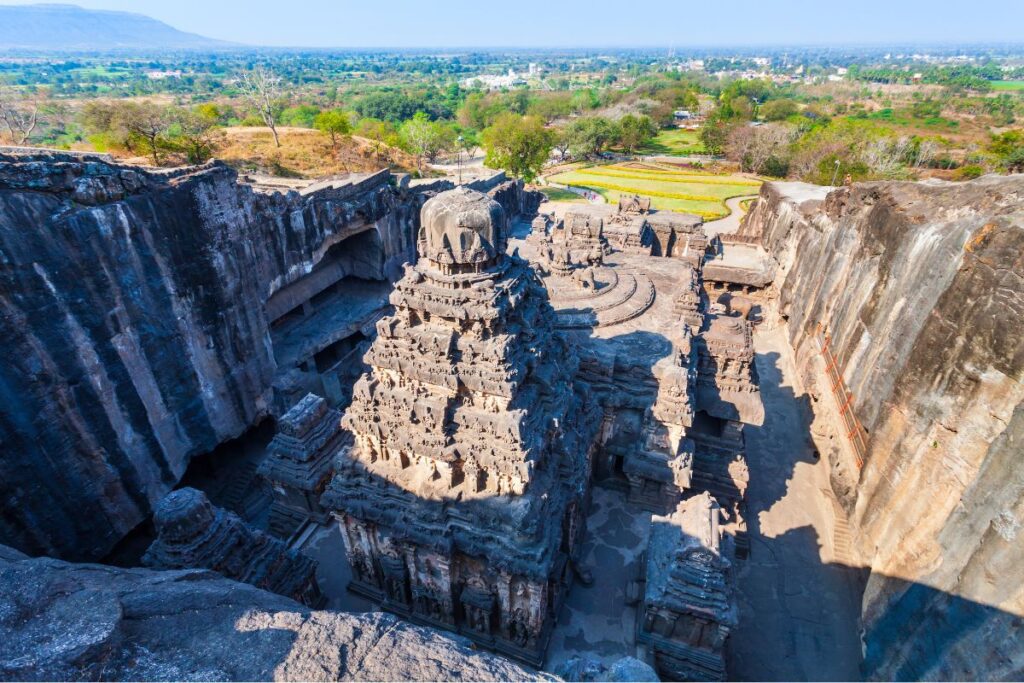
point(960, 640)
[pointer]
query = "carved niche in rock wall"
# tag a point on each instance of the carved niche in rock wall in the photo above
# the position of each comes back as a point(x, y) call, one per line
point(432, 588)
point(523, 622)
point(478, 603)
point(393, 566)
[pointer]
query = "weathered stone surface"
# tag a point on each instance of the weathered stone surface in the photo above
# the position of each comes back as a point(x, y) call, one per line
point(61, 621)
point(689, 604)
point(299, 463)
point(625, 669)
point(135, 336)
point(193, 534)
point(921, 289)
point(462, 501)
point(727, 379)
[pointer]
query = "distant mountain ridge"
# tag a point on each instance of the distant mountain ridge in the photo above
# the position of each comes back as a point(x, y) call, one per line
point(69, 27)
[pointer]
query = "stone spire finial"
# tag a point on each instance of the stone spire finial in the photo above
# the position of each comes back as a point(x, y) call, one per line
point(463, 227)
point(193, 534)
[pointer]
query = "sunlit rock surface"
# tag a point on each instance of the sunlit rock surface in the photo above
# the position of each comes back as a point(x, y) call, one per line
point(919, 286)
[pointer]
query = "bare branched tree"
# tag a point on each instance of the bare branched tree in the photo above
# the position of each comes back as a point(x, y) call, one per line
point(262, 90)
point(885, 156)
point(754, 146)
point(926, 152)
point(148, 122)
point(20, 115)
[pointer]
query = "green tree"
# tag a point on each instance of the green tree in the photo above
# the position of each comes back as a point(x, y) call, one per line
point(381, 134)
point(148, 123)
point(1008, 147)
point(552, 106)
point(778, 110)
point(195, 133)
point(714, 134)
point(426, 139)
point(635, 131)
point(585, 99)
point(301, 116)
point(589, 137)
point(139, 127)
point(562, 140)
point(335, 123)
point(518, 144)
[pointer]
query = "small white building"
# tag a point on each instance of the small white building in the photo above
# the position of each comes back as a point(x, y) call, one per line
point(161, 75)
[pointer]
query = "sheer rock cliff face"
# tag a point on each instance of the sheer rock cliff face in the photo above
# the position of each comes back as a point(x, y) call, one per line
point(133, 327)
point(921, 287)
point(61, 621)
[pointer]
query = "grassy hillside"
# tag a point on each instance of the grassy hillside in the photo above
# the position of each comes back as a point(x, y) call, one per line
point(674, 142)
point(306, 153)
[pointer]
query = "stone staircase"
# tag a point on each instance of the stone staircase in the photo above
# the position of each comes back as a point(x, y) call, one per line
point(842, 546)
point(629, 296)
point(247, 495)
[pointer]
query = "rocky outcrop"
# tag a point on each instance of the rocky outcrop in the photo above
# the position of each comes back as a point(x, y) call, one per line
point(61, 621)
point(920, 289)
point(135, 335)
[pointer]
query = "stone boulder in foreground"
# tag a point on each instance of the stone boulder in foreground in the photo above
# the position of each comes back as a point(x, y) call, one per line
point(63, 621)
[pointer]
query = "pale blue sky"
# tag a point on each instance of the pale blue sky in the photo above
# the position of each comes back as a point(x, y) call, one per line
point(554, 23)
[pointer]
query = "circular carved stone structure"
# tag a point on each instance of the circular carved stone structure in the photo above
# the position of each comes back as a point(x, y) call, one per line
point(462, 227)
point(183, 515)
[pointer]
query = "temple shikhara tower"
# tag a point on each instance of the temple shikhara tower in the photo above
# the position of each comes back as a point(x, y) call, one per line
point(463, 497)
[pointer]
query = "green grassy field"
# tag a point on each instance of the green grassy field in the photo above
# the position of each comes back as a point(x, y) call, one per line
point(675, 142)
point(673, 190)
point(555, 194)
point(1008, 85)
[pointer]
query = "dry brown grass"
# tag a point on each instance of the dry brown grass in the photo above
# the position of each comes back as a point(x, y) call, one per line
point(305, 153)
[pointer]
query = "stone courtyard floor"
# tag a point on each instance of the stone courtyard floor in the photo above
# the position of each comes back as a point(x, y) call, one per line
point(798, 612)
point(595, 621)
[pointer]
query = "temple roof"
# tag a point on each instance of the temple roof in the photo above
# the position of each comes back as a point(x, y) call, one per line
point(687, 570)
point(463, 226)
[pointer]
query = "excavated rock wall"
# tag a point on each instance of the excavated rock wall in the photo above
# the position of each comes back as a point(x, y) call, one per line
point(61, 621)
point(921, 287)
point(133, 327)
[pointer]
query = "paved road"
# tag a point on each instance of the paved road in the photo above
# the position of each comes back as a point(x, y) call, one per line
point(731, 223)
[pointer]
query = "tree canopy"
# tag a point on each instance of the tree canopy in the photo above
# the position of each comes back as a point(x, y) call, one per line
point(518, 144)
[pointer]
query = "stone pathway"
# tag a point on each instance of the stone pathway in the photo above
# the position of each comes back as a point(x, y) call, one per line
point(731, 223)
point(595, 620)
point(798, 613)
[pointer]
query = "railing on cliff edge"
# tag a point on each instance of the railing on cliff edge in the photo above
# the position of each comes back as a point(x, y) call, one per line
point(855, 432)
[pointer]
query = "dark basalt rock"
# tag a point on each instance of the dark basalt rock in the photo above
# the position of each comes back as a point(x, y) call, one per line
point(462, 500)
point(920, 287)
point(135, 337)
point(193, 534)
point(299, 463)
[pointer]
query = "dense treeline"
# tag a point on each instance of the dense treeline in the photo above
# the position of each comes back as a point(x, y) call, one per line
point(575, 106)
point(965, 76)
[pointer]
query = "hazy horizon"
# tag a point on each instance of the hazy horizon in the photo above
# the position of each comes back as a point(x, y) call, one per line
point(460, 24)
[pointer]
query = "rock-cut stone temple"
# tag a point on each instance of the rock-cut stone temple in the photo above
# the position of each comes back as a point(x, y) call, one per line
point(463, 497)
